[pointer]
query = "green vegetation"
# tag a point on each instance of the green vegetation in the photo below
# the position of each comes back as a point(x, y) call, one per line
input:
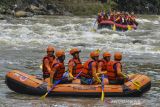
point(81, 7)
point(87, 7)
point(139, 6)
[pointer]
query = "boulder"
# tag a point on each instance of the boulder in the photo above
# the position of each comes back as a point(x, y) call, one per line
point(21, 13)
point(2, 17)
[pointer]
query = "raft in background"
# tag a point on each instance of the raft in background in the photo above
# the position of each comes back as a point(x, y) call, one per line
point(27, 84)
point(119, 27)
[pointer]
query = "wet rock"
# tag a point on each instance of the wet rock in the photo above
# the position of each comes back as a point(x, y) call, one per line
point(2, 17)
point(33, 8)
point(21, 13)
point(3, 10)
point(67, 13)
point(38, 10)
point(54, 9)
point(137, 41)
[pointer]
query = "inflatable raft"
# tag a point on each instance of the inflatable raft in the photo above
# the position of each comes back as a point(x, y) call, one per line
point(27, 84)
point(119, 27)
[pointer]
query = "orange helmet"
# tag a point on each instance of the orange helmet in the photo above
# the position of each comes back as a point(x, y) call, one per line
point(106, 54)
point(74, 50)
point(94, 54)
point(60, 53)
point(117, 56)
point(50, 48)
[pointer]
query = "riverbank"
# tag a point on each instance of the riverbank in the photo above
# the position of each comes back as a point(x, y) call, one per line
point(23, 8)
point(51, 7)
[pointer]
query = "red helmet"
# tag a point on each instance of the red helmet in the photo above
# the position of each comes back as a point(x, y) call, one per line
point(94, 54)
point(50, 48)
point(117, 56)
point(106, 54)
point(74, 50)
point(60, 53)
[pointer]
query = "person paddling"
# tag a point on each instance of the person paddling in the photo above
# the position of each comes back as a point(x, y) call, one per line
point(58, 68)
point(102, 66)
point(47, 62)
point(114, 69)
point(133, 18)
point(90, 69)
point(74, 65)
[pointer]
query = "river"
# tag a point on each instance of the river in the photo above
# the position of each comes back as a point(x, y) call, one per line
point(23, 42)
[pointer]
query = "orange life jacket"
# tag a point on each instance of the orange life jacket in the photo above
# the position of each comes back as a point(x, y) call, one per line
point(44, 69)
point(104, 66)
point(87, 68)
point(77, 66)
point(112, 70)
point(59, 71)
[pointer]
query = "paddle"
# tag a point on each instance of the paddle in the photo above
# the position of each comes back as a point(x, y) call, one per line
point(114, 27)
point(135, 83)
point(129, 27)
point(41, 66)
point(44, 96)
point(102, 84)
point(93, 29)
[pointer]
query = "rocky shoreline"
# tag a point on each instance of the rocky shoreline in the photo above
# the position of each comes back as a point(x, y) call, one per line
point(25, 8)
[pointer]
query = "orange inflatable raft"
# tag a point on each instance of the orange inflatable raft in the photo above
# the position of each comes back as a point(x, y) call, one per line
point(21, 82)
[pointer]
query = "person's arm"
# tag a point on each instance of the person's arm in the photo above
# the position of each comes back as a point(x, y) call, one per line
point(47, 65)
point(70, 68)
point(94, 73)
point(100, 72)
point(119, 70)
point(117, 19)
point(103, 72)
point(52, 73)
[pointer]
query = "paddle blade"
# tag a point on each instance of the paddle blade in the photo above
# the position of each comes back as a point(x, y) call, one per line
point(137, 85)
point(129, 27)
point(41, 66)
point(44, 96)
point(102, 96)
point(114, 27)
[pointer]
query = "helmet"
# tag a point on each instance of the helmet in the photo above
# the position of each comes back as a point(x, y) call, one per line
point(94, 54)
point(50, 48)
point(74, 50)
point(117, 56)
point(106, 54)
point(60, 53)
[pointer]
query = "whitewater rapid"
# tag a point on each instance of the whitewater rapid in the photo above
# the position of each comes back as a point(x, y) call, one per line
point(23, 42)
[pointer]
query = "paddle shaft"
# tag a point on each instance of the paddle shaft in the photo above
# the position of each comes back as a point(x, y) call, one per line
point(56, 83)
point(102, 83)
point(60, 81)
point(131, 81)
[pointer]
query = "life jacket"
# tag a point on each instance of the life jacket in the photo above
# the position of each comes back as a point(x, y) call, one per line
point(77, 66)
point(112, 18)
point(112, 70)
point(44, 69)
point(100, 18)
point(87, 68)
point(59, 71)
point(104, 66)
point(129, 20)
